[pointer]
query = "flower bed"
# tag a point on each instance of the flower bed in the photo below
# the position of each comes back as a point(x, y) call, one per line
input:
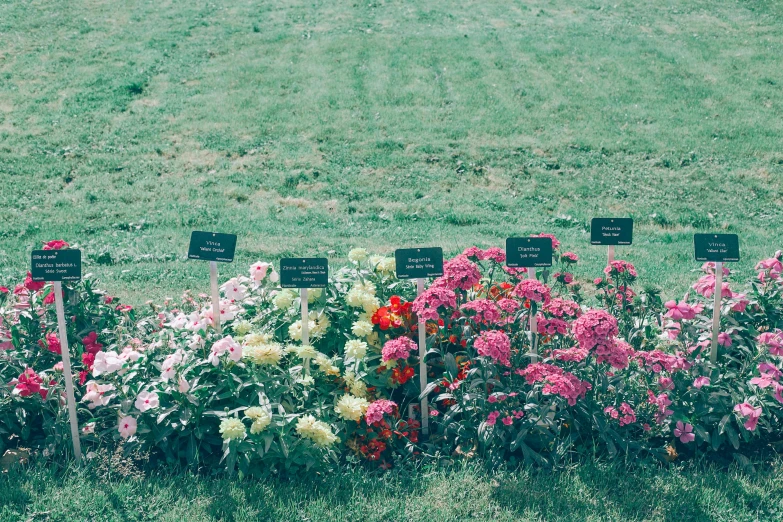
point(611, 369)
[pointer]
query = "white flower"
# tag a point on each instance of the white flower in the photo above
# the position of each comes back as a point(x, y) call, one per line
point(106, 362)
point(97, 394)
point(146, 401)
point(169, 365)
point(130, 354)
point(88, 428)
point(351, 408)
point(356, 349)
point(370, 303)
point(178, 322)
point(362, 328)
point(234, 290)
point(358, 255)
point(355, 297)
point(258, 271)
point(196, 342)
point(386, 265)
point(283, 299)
point(127, 427)
point(306, 351)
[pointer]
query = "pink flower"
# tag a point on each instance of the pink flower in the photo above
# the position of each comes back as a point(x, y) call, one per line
point(146, 401)
point(533, 290)
point(569, 257)
point(52, 343)
point(486, 311)
point(741, 304)
point(555, 242)
point(460, 273)
point(620, 267)
point(684, 432)
point(698, 382)
point(682, 310)
point(127, 427)
point(575, 354)
point(434, 413)
point(563, 308)
point(426, 305)
point(492, 398)
point(377, 409)
point(29, 383)
point(774, 340)
point(656, 360)
point(750, 413)
point(556, 381)
point(225, 345)
point(398, 348)
point(494, 344)
point(508, 421)
point(594, 327)
point(258, 271)
point(724, 339)
point(493, 417)
point(666, 383)
point(551, 326)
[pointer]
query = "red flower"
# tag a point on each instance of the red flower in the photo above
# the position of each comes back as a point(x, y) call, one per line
point(91, 343)
point(83, 377)
point(51, 343)
point(124, 308)
point(56, 244)
point(32, 285)
point(4, 290)
point(30, 383)
point(88, 359)
point(402, 376)
point(108, 300)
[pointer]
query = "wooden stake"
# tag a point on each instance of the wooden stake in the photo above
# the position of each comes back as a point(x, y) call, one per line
point(716, 311)
point(531, 274)
point(213, 276)
point(425, 414)
point(66, 356)
point(610, 252)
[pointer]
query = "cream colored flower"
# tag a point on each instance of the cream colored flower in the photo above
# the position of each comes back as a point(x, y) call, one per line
point(355, 297)
point(255, 339)
point(254, 412)
point(386, 266)
point(351, 408)
point(263, 354)
point(261, 419)
point(361, 328)
point(232, 428)
point(243, 327)
point(319, 432)
point(358, 255)
point(306, 351)
point(284, 299)
point(307, 380)
point(313, 294)
point(356, 349)
point(370, 303)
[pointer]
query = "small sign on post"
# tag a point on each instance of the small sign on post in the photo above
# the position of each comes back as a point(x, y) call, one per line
point(419, 264)
point(611, 232)
point(718, 249)
point(213, 247)
point(58, 266)
point(304, 273)
point(529, 252)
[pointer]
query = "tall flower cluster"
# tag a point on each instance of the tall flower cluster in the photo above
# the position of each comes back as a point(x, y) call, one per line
point(532, 289)
point(460, 273)
point(494, 344)
point(556, 381)
point(426, 305)
point(399, 348)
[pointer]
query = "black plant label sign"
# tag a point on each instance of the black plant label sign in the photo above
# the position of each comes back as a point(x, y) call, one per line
point(528, 252)
point(304, 272)
point(419, 263)
point(716, 247)
point(56, 265)
point(611, 231)
point(212, 246)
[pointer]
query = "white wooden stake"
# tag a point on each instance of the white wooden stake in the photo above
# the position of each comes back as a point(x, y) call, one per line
point(305, 324)
point(425, 414)
point(531, 274)
point(213, 276)
point(716, 311)
point(70, 399)
point(611, 253)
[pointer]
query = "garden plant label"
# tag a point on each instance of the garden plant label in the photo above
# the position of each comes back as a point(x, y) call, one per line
point(418, 263)
point(528, 252)
point(212, 246)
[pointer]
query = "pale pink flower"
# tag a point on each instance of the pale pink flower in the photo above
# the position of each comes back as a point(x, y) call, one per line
point(127, 427)
point(258, 271)
point(146, 401)
point(684, 432)
point(750, 413)
point(698, 382)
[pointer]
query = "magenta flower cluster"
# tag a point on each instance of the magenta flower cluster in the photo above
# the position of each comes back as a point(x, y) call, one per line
point(494, 344)
point(399, 348)
point(533, 290)
point(426, 305)
point(556, 381)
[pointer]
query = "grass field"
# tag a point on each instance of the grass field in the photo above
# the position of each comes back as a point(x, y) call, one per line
point(309, 127)
point(588, 493)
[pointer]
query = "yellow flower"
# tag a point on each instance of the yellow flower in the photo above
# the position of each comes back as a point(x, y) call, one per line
point(357, 255)
point(351, 408)
point(263, 354)
point(232, 428)
point(319, 432)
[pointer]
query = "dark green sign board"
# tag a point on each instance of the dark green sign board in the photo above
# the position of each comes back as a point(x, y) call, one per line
point(611, 231)
point(528, 252)
point(212, 246)
point(298, 272)
point(56, 265)
point(419, 263)
point(716, 247)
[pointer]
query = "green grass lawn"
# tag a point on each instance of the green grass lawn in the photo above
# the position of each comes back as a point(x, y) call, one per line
point(309, 127)
point(591, 492)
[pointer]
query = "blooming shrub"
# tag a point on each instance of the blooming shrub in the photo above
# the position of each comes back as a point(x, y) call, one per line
point(619, 373)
